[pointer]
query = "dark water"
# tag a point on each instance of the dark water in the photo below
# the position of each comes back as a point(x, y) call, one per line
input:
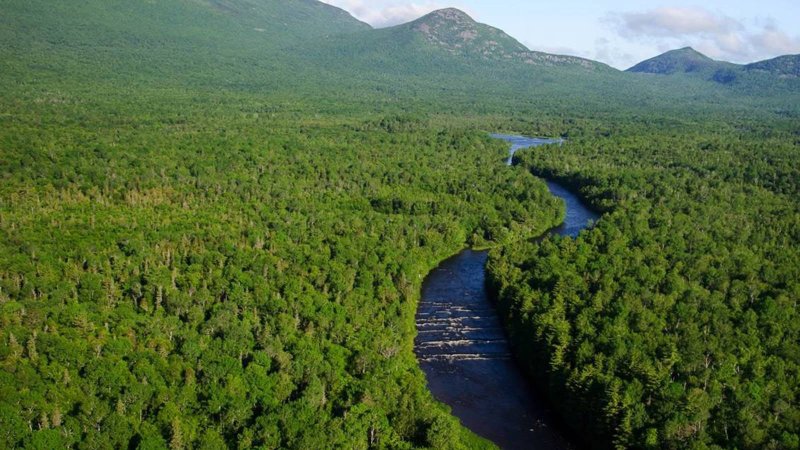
point(462, 347)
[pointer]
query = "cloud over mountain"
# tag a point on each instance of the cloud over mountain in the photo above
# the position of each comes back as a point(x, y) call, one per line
point(716, 34)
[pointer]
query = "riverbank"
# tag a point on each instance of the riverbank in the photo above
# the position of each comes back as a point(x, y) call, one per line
point(462, 346)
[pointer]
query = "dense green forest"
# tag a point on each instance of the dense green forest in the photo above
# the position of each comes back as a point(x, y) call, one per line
point(217, 276)
point(216, 215)
point(673, 323)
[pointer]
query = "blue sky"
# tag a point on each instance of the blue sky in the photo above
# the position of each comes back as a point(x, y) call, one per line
point(620, 32)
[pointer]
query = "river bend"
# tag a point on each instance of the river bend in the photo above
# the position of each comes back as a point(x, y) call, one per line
point(463, 350)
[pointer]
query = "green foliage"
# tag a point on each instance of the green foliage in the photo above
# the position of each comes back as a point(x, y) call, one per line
point(684, 60)
point(779, 73)
point(211, 274)
point(782, 66)
point(216, 216)
point(674, 322)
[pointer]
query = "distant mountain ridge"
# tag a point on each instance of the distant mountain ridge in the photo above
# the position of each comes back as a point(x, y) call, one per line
point(212, 42)
point(689, 61)
point(277, 44)
point(121, 23)
point(783, 66)
point(684, 60)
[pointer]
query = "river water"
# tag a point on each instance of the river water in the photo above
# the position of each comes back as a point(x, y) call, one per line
point(463, 350)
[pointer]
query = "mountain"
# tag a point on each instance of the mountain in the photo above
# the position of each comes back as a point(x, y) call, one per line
point(447, 49)
point(190, 40)
point(448, 55)
point(291, 45)
point(445, 35)
point(147, 23)
point(783, 66)
point(684, 60)
point(690, 61)
point(455, 32)
point(775, 75)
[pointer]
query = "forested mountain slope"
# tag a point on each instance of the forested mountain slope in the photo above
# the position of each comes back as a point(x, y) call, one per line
point(146, 24)
point(778, 74)
point(293, 48)
point(447, 49)
point(185, 41)
point(685, 60)
point(689, 60)
point(782, 66)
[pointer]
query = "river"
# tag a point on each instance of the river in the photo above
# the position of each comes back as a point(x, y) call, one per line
point(463, 350)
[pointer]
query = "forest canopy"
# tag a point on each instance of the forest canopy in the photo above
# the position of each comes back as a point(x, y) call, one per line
point(674, 322)
point(216, 216)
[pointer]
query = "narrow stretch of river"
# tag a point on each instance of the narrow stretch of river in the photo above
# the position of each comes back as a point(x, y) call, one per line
point(463, 350)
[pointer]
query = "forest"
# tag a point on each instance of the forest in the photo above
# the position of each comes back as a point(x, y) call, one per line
point(216, 218)
point(182, 275)
point(230, 278)
point(673, 323)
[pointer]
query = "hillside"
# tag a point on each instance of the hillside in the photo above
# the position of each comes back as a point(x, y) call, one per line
point(778, 74)
point(192, 41)
point(448, 54)
point(144, 24)
point(456, 32)
point(300, 46)
point(447, 33)
point(783, 66)
point(684, 60)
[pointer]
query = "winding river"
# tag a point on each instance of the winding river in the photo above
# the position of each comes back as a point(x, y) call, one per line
point(462, 347)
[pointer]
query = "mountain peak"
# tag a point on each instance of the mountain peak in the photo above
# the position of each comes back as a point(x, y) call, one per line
point(450, 14)
point(456, 32)
point(688, 51)
point(451, 19)
point(682, 60)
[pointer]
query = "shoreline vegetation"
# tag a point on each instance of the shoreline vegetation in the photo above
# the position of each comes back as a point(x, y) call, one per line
point(486, 390)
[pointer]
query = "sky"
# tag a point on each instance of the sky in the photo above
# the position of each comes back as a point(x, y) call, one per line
point(621, 32)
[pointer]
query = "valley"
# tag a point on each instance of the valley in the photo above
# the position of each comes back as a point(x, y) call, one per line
point(217, 219)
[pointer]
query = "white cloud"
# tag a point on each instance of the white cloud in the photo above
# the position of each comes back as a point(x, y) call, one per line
point(715, 34)
point(675, 21)
point(772, 40)
point(385, 14)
